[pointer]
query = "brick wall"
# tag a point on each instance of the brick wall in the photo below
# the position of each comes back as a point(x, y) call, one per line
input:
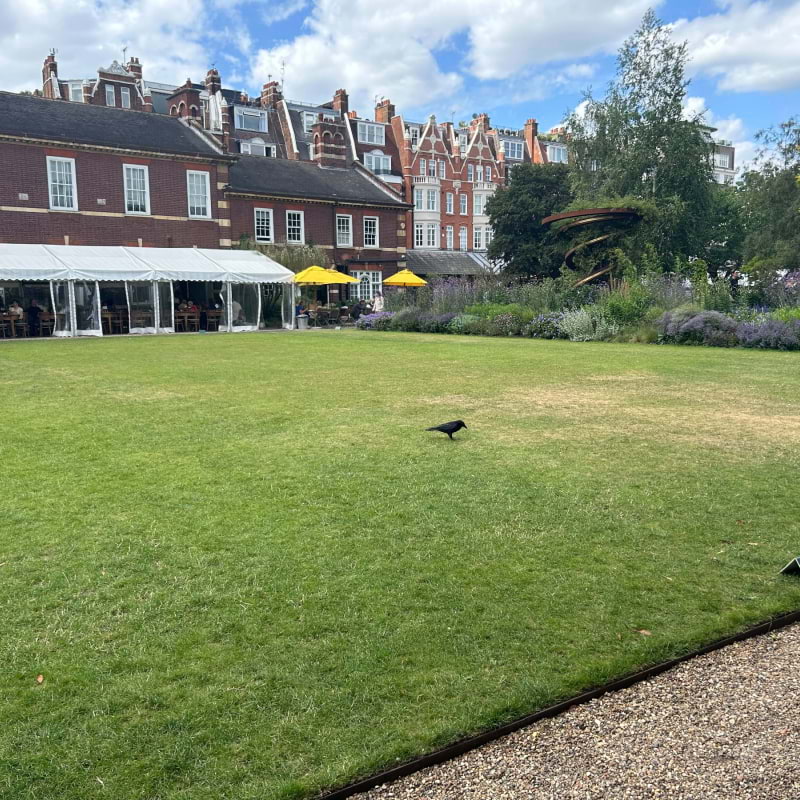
point(100, 177)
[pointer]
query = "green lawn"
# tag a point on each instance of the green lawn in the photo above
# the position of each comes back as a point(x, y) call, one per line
point(245, 571)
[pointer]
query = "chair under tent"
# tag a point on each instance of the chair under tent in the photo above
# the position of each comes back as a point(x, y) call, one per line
point(142, 280)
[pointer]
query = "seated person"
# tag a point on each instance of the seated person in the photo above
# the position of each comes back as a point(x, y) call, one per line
point(192, 306)
point(300, 309)
point(16, 309)
point(358, 309)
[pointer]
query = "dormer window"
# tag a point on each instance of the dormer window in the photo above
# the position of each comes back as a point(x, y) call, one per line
point(513, 149)
point(110, 98)
point(378, 163)
point(557, 154)
point(371, 134)
point(248, 119)
point(413, 135)
point(125, 96)
point(309, 120)
point(76, 92)
point(257, 147)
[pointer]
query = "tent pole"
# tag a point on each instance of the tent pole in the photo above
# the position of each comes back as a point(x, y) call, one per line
point(259, 289)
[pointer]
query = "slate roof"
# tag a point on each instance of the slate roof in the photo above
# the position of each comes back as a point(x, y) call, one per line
point(303, 179)
point(81, 123)
point(446, 262)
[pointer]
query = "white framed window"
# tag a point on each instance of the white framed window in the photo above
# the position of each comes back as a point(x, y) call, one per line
point(344, 230)
point(418, 199)
point(371, 234)
point(264, 229)
point(198, 189)
point(513, 149)
point(462, 237)
point(76, 92)
point(125, 96)
point(479, 171)
point(419, 234)
point(477, 238)
point(378, 163)
point(62, 184)
point(432, 200)
point(422, 165)
point(111, 98)
point(413, 135)
point(557, 153)
point(369, 284)
point(432, 169)
point(722, 160)
point(463, 200)
point(462, 141)
point(478, 204)
point(488, 175)
point(295, 227)
point(441, 169)
point(137, 188)
point(432, 237)
point(250, 119)
point(488, 235)
point(470, 173)
point(257, 147)
point(309, 120)
point(448, 234)
point(371, 134)
point(449, 202)
point(594, 165)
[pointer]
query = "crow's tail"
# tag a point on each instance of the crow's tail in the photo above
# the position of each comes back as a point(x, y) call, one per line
point(432, 429)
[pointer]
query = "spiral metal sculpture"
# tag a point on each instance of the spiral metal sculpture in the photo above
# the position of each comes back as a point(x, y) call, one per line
point(623, 217)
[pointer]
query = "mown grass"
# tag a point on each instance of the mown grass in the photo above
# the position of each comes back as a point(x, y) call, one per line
point(245, 572)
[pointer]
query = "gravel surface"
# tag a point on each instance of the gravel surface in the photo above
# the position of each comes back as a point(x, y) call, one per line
point(724, 725)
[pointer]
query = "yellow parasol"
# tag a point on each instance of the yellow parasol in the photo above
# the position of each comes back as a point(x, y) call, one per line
point(339, 277)
point(312, 276)
point(405, 278)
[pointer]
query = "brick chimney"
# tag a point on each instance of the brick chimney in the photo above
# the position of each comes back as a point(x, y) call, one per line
point(531, 133)
point(384, 111)
point(271, 94)
point(213, 82)
point(226, 126)
point(481, 122)
point(135, 68)
point(147, 101)
point(330, 144)
point(50, 87)
point(340, 102)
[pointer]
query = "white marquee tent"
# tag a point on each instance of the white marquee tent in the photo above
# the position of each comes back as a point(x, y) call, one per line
point(75, 272)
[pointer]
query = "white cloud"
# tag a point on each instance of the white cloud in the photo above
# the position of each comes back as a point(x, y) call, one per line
point(89, 34)
point(748, 46)
point(278, 12)
point(730, 128)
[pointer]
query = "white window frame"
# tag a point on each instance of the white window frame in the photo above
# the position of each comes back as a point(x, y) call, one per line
point(371, 133)
point(240, 115)
point(126, 189)
point(370, 282)
point(470, 173)
point(246, 147)
point(413, 136)
point(488, 235)
point(269, 214)
point(76, 88)
point(309, 120)
point(479, 173)
point(302, 239)
point(448, 232)
point(377, 243)
point(378, 163)
point(419, 199)
point(722, 160)
point(557, 154)
point(111, 95)
point(449, 202)
point(432, 200)
point(488, 175)
point(348, 241)
point(431, 235)
point(207, 177)
point(478, 205)
point(419, 234)
point(74, 185)
point(477, 237)
point(513, 150)
point(125, 96)
point(422, 167)
point(463, 233)
point(441, 168)
point(432, 168)
point(463, 204)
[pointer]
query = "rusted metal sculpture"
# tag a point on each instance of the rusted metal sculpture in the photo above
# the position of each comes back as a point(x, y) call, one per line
point(590, 216)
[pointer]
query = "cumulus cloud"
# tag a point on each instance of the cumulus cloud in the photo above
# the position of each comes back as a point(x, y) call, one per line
point(89, 34)
point(747, 46)
point(730, 128)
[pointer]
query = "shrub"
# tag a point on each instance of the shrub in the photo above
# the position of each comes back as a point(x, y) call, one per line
point(545, 326)
point(688, 326)
point(461, 322)
point(435, 323)
point(770, 334)
point(505, 324)
point(490, 310)
point(585, 325)
point(786, 314)
point(405, 320)
point(375, 322)
point(626, 307)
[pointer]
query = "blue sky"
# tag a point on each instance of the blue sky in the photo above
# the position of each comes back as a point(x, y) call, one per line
point(512, 59)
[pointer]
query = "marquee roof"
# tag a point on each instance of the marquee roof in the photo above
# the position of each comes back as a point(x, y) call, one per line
point(62, 262)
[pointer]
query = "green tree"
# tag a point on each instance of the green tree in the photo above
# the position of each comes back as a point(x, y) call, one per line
point(638, 142)
point(521, 243)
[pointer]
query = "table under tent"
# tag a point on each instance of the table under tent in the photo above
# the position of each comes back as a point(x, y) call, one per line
point(89, 291)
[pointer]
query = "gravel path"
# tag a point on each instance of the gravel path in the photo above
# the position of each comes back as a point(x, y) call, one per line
point(724, 725)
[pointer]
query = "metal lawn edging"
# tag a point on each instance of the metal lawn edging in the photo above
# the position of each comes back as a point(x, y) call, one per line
point(472, 742)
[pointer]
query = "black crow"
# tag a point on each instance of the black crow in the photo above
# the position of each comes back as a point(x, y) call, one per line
point(449, 427)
